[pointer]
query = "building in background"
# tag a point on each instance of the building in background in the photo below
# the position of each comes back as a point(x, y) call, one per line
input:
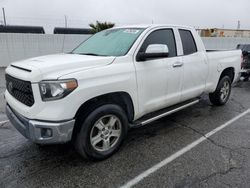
point(216, 32)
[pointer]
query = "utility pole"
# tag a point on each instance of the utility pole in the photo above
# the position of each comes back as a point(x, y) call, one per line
point(65, 21)
point(238, 25)
point(4, 18)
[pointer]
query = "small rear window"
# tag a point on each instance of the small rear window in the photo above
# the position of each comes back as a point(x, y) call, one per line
point(188, 43)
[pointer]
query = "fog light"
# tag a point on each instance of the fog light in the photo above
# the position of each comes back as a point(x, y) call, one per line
point(46, 133)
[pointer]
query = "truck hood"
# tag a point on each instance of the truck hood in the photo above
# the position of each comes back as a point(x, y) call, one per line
point(55, 66)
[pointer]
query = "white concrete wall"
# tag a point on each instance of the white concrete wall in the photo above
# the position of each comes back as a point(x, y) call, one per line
point(15, 47)
point(226, 43)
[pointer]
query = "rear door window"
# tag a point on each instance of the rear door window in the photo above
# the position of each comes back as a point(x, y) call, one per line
point(188, 42)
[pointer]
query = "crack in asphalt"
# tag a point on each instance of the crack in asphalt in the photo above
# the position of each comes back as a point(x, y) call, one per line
point(244, 148)
point(208, 138)
point(239, 103)
point(220, 173)
point(230, 168)
point(201, 134)
point(229, 163)
point(4, 123)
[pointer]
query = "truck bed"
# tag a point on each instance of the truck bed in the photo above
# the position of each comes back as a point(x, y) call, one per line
point(219, 60)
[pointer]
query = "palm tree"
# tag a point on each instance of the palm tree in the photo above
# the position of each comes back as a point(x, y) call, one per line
point(99, 26)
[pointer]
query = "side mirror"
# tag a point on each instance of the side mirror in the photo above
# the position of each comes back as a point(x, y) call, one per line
point(153, 51)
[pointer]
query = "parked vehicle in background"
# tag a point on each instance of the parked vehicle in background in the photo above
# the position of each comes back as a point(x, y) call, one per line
point(119, 78)
point(245, 65)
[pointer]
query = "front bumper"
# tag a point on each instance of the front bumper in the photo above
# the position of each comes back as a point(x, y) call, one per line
point(41, 132)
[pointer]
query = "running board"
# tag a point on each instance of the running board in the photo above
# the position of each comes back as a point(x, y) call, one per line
point(162, 113)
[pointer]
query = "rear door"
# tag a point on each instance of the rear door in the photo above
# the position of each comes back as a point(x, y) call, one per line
point(195, 67)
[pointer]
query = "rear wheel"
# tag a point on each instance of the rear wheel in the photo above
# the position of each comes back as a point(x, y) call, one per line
point(102, 132)
point(222, 92)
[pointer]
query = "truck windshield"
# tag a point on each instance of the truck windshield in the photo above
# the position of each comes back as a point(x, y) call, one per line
point(113, 42)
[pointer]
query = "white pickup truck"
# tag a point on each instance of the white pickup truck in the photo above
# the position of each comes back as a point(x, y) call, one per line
point(118, 78)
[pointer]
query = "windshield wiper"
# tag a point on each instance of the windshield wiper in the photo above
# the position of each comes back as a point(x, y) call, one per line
point(93, 54)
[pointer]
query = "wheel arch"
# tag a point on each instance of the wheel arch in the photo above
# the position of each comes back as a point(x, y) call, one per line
point(123, 99)
point(230, 71)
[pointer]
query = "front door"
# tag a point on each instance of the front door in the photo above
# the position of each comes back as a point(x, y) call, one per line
point(159, 80)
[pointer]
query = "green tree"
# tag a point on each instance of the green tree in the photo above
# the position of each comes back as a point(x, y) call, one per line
point(99, 26)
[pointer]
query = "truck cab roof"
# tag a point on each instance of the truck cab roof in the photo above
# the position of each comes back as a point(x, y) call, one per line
point(154, 26)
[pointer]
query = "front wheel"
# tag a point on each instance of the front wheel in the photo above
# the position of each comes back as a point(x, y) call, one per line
point(222, 92)
point(102, 132)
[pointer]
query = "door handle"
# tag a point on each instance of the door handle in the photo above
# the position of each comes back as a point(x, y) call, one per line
point(178, 64)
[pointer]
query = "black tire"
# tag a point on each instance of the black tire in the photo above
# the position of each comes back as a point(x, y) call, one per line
point(89, 125)
point(216, 97)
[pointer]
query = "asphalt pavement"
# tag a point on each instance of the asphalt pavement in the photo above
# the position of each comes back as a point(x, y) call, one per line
point(222, 160)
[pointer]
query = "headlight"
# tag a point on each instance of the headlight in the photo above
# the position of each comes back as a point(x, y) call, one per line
point(54, 90)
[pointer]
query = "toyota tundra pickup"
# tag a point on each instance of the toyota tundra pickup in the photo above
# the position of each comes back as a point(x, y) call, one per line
point(117, 79)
